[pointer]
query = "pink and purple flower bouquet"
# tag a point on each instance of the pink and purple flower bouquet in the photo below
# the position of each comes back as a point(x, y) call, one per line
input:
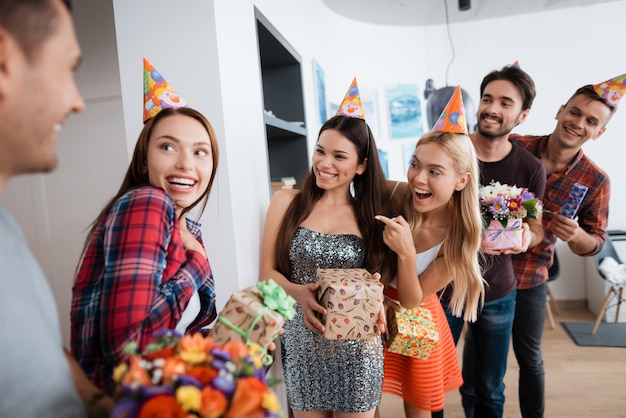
point(504, 207)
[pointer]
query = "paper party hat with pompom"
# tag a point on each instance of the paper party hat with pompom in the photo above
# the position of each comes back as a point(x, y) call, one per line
point(613, 90)
point(351, 106)
point(157, 93)
point(452, 119)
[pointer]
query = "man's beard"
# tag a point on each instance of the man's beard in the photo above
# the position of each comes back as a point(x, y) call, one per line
point(503, 131)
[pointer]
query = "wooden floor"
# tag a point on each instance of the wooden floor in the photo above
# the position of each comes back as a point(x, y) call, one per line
point(580, 381)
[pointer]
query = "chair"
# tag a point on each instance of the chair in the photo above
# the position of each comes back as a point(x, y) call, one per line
point(616, 289)
point(553, 274)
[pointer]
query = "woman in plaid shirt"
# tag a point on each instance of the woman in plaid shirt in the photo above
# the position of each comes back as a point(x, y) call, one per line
point(144, 267)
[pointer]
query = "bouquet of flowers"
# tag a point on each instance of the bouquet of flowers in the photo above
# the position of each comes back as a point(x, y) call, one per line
point(192, 377)
point(503, 208)
point(501, 202)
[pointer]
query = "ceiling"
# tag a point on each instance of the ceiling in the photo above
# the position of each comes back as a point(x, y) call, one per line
point(433, 12)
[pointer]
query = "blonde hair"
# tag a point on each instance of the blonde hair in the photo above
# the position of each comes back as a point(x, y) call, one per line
point(461, 247)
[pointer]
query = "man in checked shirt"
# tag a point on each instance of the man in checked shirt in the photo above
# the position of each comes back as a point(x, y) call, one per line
point(583, 117)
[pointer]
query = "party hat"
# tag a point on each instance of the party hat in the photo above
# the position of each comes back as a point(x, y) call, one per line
point(157, 93)
point(516, 64)
point(452, 118)
point(612, 90)
point(351, 106)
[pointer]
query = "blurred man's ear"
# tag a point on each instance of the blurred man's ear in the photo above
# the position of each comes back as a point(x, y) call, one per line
point(599, 134)
point(522, 117)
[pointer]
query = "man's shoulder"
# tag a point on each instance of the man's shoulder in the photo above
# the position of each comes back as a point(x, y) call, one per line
point(522, 139)
point(531, 143)
point(8, 226)
point(587, 165)
point(524, 155)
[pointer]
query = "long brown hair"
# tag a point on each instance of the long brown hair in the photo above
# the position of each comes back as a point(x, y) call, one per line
point(371, 198)
point(137, 174)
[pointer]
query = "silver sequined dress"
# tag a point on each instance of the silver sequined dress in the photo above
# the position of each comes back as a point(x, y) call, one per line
point(321, 374)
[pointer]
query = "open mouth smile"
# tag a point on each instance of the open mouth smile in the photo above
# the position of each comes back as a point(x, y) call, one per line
point(181, 183)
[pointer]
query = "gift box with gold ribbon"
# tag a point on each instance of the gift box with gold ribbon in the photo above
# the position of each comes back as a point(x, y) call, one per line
point(352, 298)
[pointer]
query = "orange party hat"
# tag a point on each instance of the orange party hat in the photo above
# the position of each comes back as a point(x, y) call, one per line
point(612, 90)
point(157, 93)
point(452, 118)
point(516, 64)
point(351, 106)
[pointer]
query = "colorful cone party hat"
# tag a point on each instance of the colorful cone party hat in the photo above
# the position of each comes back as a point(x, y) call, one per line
point(612, 90)
point(516, 64)
point(452, 118)
point(351, 106)
point(157, 93)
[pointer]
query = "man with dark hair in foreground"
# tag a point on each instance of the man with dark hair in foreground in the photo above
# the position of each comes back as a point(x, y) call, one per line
point(38, 55)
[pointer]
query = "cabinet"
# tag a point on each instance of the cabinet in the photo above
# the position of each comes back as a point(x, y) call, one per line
point(283, 101)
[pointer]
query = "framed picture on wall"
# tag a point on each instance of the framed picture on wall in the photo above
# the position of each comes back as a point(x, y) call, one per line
point(333, 108)
point(384, 161)
point(408, 149)
point(405, 111)
point(370, 109)
point(320, 91)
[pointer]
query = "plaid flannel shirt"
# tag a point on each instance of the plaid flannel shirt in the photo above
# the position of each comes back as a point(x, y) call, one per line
point(531, 268)
point(136, 277)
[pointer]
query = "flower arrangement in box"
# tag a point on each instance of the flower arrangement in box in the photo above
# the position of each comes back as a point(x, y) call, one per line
point(191, 376)
point(504, 208)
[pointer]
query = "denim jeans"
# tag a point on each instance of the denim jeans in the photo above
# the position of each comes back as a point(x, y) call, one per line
point(456, 323)
point(485, 353)
point(530, 316)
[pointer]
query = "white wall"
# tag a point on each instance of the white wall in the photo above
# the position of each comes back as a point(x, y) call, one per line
point(207, 51)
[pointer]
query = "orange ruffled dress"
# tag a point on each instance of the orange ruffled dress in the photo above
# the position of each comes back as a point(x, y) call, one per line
point(423, 383)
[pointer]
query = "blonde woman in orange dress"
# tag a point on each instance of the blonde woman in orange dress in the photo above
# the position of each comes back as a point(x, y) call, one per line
point(437, 241)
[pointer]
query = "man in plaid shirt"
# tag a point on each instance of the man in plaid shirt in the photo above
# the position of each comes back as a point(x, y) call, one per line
point(583, 117)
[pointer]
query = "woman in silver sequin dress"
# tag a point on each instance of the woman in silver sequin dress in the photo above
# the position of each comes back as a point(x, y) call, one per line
point(324, 226)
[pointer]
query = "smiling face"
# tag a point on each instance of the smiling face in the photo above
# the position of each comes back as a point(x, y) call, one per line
point(179, 159)
point(433, 178)
point(37, 95)
point(579, 120)
point(335, 160)
point(500, 109)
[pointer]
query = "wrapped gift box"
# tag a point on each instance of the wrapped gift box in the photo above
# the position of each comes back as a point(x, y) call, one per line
point(504, 237)
point(352, 298)
point(254, 314)
point(411, 332)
